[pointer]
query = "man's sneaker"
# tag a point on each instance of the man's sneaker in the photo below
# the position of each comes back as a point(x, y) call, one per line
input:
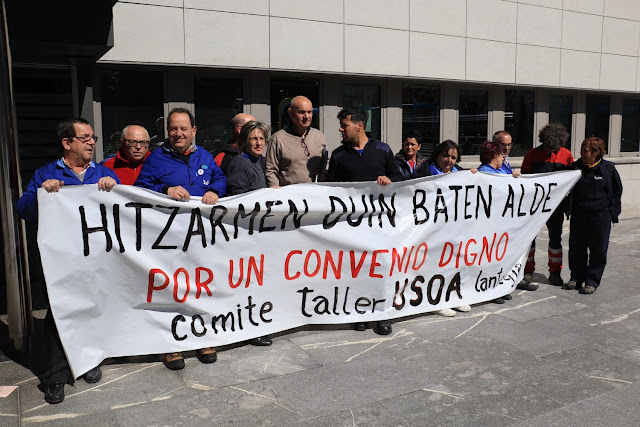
point(587, 290)
point(446, 312)
point(463, 308)
point(526, 284)
point(555, 279)
point(570, 285)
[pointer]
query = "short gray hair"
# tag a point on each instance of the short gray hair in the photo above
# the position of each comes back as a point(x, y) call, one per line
point(249, 127)
point(498, 135)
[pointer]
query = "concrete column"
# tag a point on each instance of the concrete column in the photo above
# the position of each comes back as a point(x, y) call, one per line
point(615, 125)
point(579, 122)
point(94, 112)
point(87, 81)
point(178, 91)
point(449, 113)
point(259, 96)
point(393, 119)
point(541, 117)
point(330, 106)
point(496, 110)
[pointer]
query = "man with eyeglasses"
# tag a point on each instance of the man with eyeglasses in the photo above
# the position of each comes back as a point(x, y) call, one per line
point(504, 138)
point(297, 153)
point(75, 167)
point(134, 149)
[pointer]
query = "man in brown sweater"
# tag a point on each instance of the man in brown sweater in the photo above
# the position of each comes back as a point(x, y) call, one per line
point(296, 153)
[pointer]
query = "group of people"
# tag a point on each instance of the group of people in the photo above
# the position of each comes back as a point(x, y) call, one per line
point(296, 154)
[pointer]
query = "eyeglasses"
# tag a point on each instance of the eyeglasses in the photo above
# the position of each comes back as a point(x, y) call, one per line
point(304, 144)
point(86, 139)
point(507, 145)
point(134, 142)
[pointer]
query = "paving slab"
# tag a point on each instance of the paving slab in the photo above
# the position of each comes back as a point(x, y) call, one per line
point(546, 358)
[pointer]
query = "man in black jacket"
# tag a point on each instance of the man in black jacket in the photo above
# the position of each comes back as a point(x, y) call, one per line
point(362, 159)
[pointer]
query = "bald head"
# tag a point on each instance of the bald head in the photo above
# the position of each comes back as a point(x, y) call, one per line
point(134, 142)
point(301, 113)
point(298, 101)
point(237, 122)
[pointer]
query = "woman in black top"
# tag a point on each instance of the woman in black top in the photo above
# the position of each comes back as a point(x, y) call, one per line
point(595, 204)
point(409, 158)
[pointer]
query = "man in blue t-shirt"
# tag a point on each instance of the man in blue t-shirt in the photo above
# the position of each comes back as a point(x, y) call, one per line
point(504, 138)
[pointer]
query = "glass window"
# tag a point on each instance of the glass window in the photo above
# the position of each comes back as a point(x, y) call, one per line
point(366, 97)
point(284, 90)
point(421, 112)
point(473, 107)
point(129, 98)
point(519, 109)
point(216, 102)
point(561, 111)
point(598, 108)
point(630, 126)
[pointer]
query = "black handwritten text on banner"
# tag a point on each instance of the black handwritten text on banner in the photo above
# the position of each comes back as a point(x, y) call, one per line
point(131, 272)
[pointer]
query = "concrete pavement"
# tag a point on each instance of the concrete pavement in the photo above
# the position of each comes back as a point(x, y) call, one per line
point(545, 358)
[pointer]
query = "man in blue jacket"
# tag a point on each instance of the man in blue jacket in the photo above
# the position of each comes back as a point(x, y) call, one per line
point(75, 167)
point(181, 169)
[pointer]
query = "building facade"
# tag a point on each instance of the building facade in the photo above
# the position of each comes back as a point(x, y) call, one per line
point(460, 70)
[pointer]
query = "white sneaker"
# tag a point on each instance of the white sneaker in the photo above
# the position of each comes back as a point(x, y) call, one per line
point(446, 312)
point(463, 308)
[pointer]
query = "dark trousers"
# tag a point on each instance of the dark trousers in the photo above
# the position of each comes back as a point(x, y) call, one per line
point(55, 367)
point(588, 245)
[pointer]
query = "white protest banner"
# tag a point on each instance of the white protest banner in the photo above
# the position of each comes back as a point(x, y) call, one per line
point(133, 272)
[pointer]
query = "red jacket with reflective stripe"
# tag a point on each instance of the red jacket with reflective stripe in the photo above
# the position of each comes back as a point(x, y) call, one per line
point(538, 160)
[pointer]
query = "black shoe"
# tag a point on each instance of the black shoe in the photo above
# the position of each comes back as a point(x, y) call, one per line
point(54, 393)
point(507, 297)
point(571, 285)
point(261, 341)
point(383, 327)
point(360, 326)
point(555, 279)
point(526, 284)
point(93, 376)
point(207, 355)
point(174, 361)
point(498, 301)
